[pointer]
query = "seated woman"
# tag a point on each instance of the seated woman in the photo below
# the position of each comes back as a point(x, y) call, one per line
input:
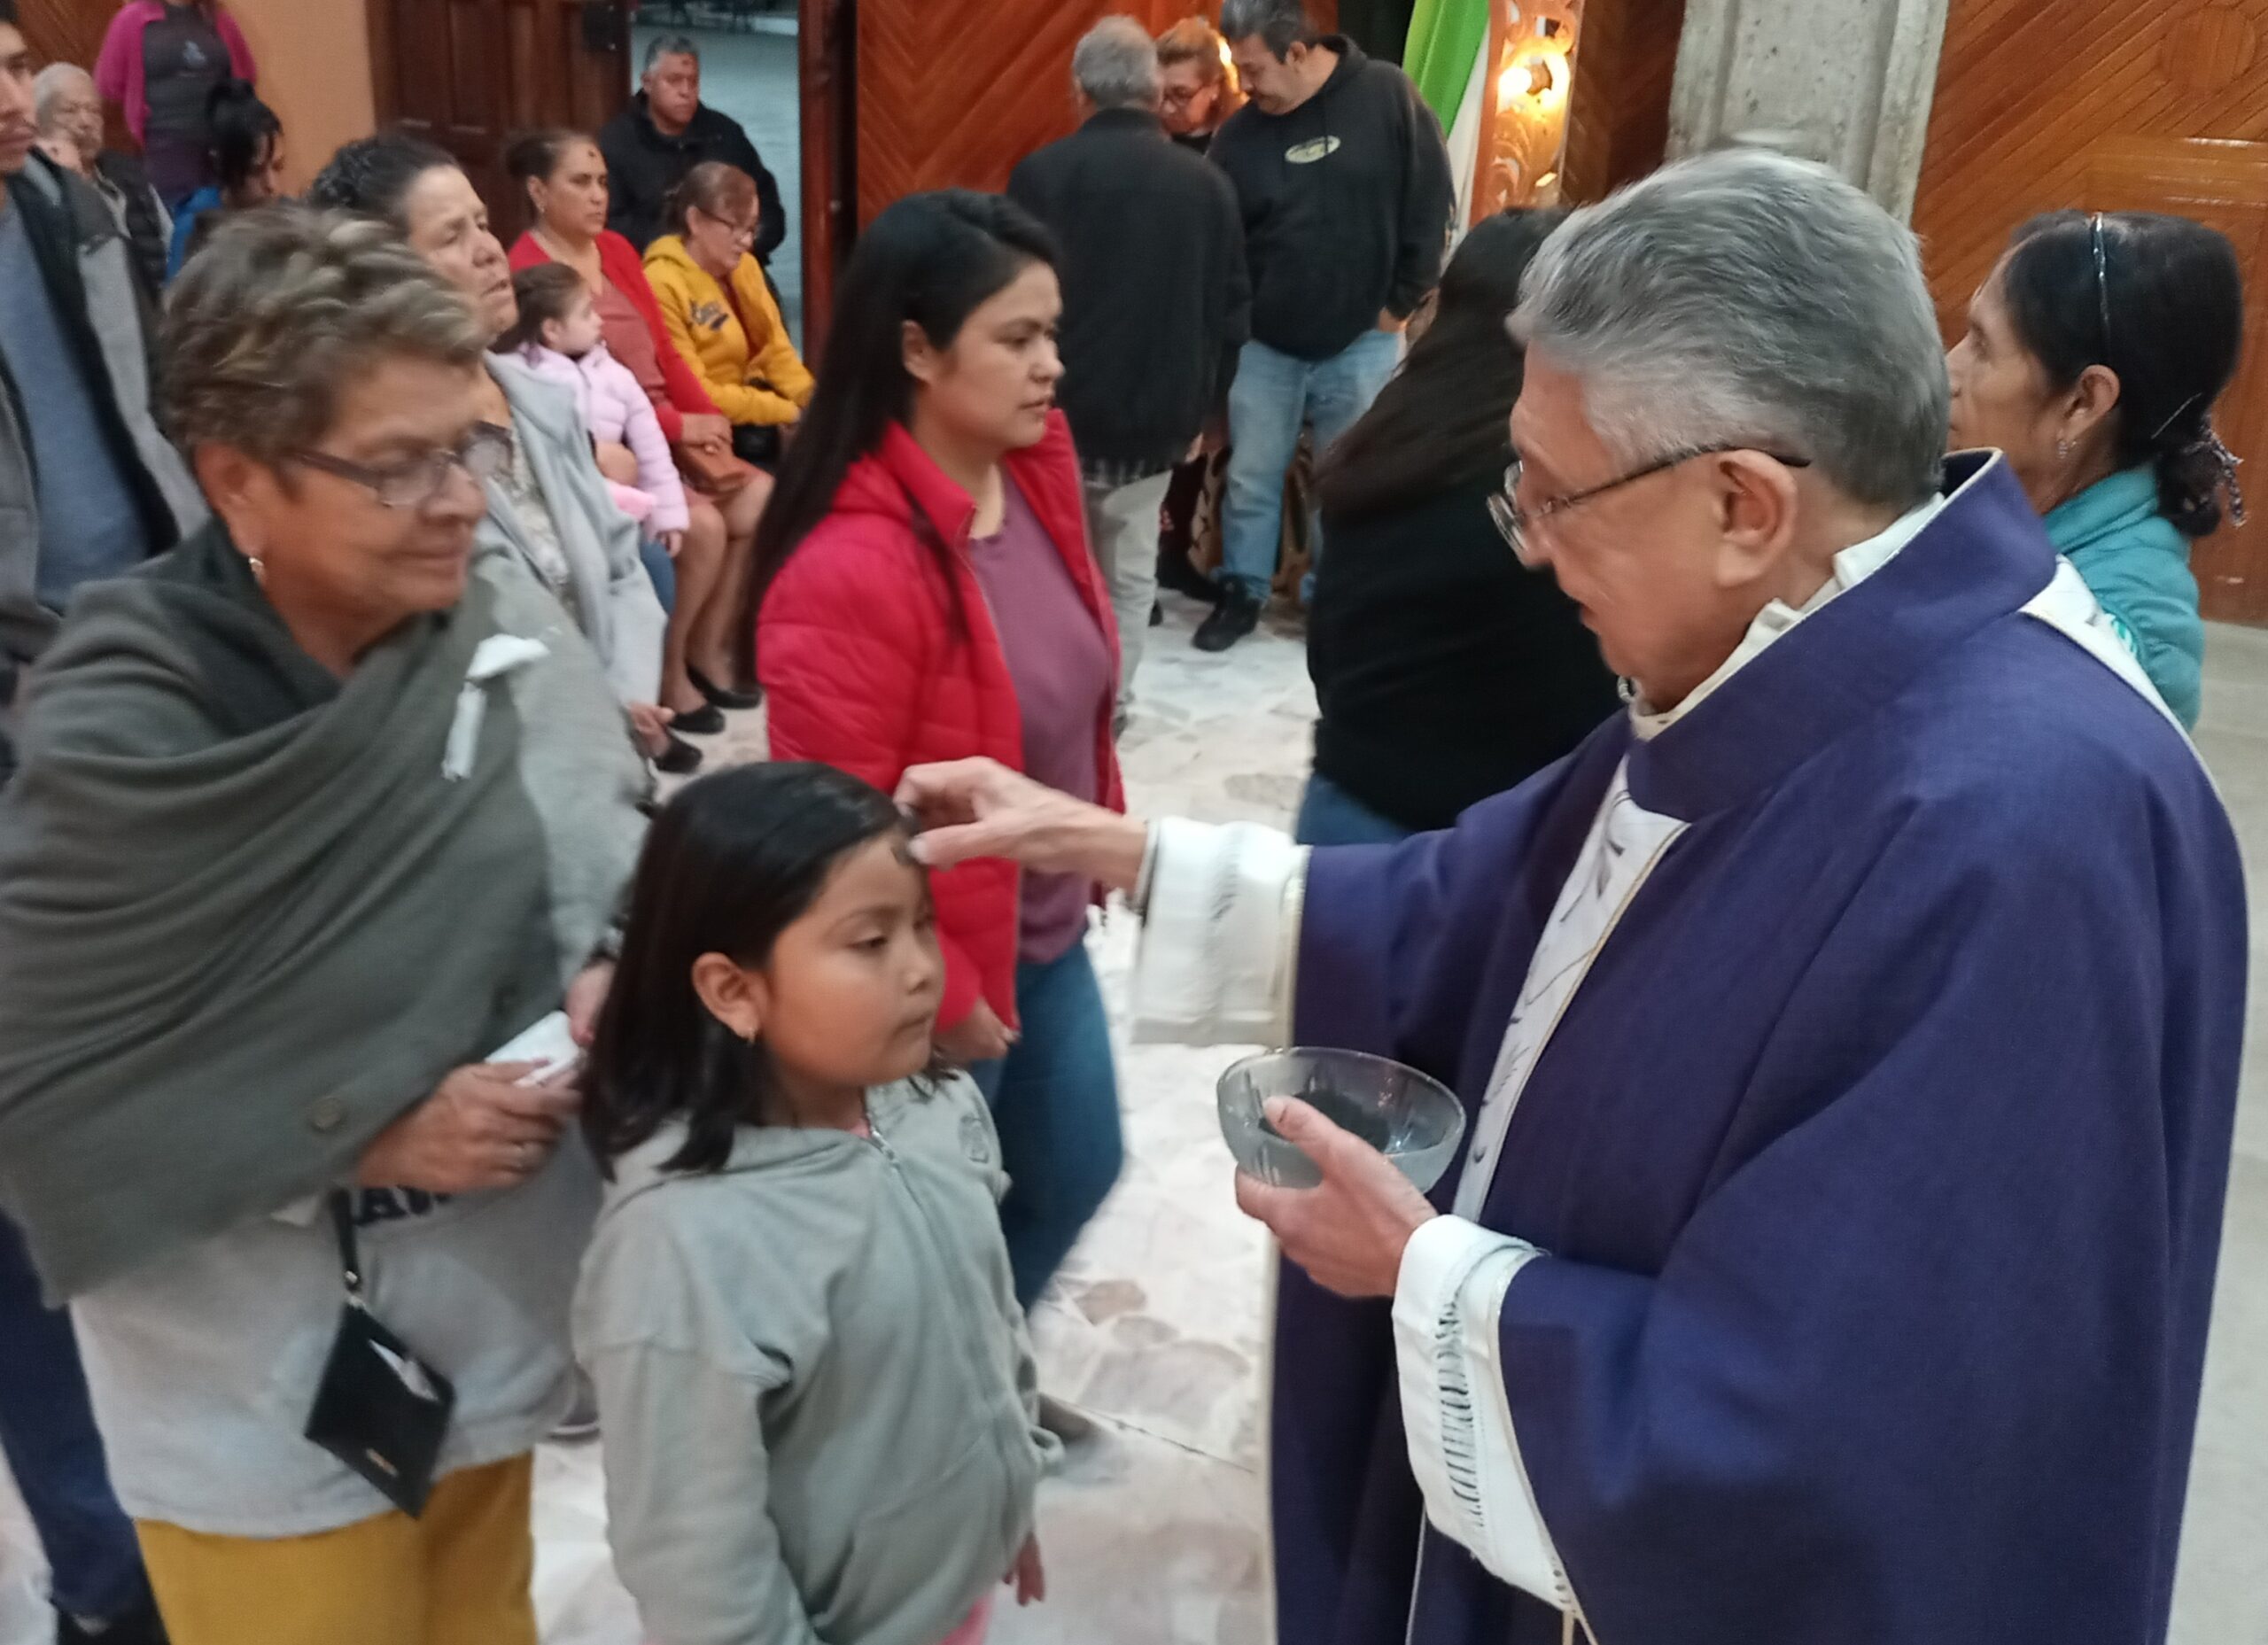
point(2094, 353)
point(1445, 671)
point(308, 828)
point(926, 594)
point(564, 178)
point(720, 311)
point(548, 507)
point(247, 162)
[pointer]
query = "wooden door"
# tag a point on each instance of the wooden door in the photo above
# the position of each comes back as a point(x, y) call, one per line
point(468, 74)
point(2105, 106)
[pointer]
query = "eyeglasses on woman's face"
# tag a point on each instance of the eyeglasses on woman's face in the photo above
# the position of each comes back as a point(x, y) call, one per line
point(412, 482)
point(1517, 523)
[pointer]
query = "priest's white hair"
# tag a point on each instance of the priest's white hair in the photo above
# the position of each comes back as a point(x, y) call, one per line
point(1749, 297)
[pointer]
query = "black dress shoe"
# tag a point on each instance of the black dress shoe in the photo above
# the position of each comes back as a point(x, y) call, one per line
point(1237, 615)
point(705, 721)
point(752, 698)
point(680, 758)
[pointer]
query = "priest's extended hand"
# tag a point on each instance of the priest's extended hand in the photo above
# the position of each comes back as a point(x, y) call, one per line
point(1349, 1233)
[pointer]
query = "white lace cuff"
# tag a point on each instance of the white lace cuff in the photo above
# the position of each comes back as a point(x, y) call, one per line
point(1462, 1446)
point(1220, 940)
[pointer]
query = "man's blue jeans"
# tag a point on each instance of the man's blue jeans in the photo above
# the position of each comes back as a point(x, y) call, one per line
point(1272, 396)
point(1331, 815)
point(1054, 1101)
point(47, 1428)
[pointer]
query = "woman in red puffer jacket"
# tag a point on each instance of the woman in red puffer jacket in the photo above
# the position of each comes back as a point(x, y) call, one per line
point(929, 595)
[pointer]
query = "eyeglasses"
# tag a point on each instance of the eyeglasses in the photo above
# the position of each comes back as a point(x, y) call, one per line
point(415, 481)
point(1514, 522)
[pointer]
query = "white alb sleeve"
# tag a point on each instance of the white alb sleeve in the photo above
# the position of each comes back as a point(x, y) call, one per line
point(1462, 1446)
point(1221, 934)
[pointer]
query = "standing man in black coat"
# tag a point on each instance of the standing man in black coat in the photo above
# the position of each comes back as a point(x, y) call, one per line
point(1155, 304)
point(664, 134)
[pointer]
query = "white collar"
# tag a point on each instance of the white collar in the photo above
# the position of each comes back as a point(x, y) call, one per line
point(1853, 566)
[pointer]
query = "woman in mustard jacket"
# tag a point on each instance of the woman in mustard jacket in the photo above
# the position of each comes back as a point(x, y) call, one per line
point(720, 311)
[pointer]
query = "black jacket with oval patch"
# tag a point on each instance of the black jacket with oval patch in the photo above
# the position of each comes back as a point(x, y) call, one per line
point(1346, 201)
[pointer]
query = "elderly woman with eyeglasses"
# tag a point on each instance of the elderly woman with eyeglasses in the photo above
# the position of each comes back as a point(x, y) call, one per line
point(2095, 353)
point(318, 813)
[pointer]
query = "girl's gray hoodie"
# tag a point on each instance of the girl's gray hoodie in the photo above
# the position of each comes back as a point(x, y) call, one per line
point(821, 1410)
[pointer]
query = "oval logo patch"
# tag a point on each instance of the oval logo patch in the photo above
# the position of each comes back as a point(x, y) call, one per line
point(1309, 152)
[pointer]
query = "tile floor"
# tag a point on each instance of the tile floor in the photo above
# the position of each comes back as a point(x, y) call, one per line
point(1155, 1537)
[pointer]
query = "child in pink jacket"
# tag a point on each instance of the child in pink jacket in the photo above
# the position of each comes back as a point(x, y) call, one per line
point(558, 336)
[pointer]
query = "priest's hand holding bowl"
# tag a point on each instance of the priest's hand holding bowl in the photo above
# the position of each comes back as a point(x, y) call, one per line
point(1349, 1232)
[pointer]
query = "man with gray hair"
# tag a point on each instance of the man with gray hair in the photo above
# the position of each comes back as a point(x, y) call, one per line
point(1155, 304)
point(69, 111)
point(663, 133)
point(1847, 1036)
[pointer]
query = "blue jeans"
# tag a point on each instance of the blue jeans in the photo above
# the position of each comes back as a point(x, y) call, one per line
point(1272, 396)
point(1331, 815)
point(661, 571)
point(47, 1427)
point(1054, 1099)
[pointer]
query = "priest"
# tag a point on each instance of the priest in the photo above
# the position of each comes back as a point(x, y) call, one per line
point(1849, 1033)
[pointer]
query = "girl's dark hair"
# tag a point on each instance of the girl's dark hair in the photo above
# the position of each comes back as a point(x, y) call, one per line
point(374, 175)
point(932, 259)
point(532, 156)
point(547, 292)
point(732, 862)
point(241, 127)
point(2164, 310)
point(1444, 418)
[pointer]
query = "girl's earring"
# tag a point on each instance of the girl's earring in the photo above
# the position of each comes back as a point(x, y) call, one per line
point(2063, 450)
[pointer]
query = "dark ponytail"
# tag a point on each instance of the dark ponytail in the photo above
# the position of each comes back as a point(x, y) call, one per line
point(374, 175)
point(931, 258)
point(2165, 313)
point(242, 128)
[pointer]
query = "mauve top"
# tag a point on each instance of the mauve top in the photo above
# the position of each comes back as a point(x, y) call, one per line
point(1061, 662)
point(629, 341)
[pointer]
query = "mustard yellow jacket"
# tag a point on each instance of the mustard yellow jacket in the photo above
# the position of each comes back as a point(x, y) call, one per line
point(752, 379)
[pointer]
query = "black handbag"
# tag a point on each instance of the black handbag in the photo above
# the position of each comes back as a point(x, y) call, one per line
point(759, 443)
point(379, 1408)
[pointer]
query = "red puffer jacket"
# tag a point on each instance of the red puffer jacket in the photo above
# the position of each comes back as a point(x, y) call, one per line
point(871, 662)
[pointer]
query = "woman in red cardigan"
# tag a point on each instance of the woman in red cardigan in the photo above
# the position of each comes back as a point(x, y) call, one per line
point(564, 177)
point(928, 594)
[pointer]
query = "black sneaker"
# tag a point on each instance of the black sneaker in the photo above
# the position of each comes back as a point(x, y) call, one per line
point(1237, 615)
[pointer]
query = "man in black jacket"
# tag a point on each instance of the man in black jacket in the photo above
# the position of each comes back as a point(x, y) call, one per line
point(1155, 304)
point(664, 134)
point(1344, 182)
point(71, 453)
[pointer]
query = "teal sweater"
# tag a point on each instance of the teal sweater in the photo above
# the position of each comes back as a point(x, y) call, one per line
point(2138, 565)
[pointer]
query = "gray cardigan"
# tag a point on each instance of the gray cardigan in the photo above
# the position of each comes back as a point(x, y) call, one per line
point(622, 615)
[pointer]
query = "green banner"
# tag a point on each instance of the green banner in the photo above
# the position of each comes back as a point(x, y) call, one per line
point(1445, 37)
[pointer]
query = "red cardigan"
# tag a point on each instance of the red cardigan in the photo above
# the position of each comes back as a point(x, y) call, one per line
point(871, 662)
point(619, 261)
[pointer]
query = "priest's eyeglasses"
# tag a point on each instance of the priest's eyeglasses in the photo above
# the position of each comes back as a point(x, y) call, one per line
point(1516, 523)
point(414, 481)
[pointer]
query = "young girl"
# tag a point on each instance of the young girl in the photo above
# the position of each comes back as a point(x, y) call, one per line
point(558, 336)
point(819, 1399)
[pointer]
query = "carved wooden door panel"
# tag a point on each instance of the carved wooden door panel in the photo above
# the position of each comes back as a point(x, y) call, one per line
point(2105, 106)
point(468, 73)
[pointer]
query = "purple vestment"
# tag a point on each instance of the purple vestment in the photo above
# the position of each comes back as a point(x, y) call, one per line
point(1879, 1158)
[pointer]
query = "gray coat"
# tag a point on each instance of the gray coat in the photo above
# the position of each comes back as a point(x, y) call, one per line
point(820, 1403)
point(621, 614)
point(117, 318)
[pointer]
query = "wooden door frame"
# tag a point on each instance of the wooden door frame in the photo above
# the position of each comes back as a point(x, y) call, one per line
point(827, 55)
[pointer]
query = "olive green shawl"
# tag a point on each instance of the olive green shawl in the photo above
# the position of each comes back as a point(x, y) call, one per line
point(233, 948)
